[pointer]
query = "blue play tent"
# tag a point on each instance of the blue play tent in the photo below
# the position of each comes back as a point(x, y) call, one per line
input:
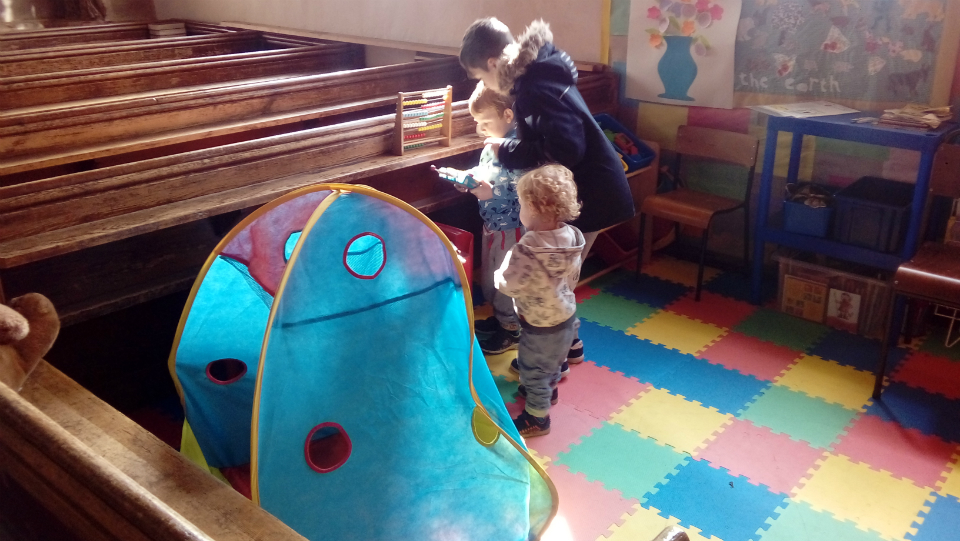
point(327, 363)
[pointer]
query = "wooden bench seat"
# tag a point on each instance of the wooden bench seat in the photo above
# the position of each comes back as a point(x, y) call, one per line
point(66, 86)
point(49, 37)
point(33, 139)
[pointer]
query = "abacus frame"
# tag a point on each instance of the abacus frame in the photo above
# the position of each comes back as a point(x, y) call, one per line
point(402, 140)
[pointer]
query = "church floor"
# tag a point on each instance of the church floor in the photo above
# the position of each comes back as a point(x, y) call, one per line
point(738, 422)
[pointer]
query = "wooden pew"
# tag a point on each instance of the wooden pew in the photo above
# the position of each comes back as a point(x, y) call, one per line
point(73, 468)
point(50, 136)
point(86, 84)
point(49, 37)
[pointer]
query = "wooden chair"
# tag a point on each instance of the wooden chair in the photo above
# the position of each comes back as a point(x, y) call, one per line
point(686, 206)
point(933, 274)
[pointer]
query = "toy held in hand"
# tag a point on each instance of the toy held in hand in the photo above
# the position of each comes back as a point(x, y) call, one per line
point(457, 176)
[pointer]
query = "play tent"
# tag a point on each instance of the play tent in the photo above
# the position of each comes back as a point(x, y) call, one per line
point(327, 352)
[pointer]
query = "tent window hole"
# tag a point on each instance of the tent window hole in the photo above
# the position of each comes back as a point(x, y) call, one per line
point(226, 371)
point(365, 255)
point(290, 245)
point(327, 447)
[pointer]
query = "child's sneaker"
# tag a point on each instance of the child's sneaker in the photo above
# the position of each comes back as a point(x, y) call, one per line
point(554, 398)
point(530, 426)
point(500, 341)
point(564, 368)
point(486, 326)
point(575, 356)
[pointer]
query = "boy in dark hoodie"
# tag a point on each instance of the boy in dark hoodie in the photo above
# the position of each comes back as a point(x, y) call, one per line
point(554, 124)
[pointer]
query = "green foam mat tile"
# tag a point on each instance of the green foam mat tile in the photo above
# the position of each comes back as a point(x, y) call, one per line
point(614, 312)
point(799, 416)
point(782, 329)
point(799, 522)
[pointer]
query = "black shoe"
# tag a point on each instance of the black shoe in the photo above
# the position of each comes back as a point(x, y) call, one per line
point(530, 426)
point(500, 341)
point(564, 368)
point(486, 326)
point(554, 398)
point(575, 356)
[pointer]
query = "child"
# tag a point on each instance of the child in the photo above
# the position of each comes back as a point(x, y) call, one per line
point(500, 210)
point(554, 125)
point(540, 273)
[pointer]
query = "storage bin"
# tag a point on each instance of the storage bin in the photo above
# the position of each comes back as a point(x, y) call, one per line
point(463, 242)
point(644, 154)
point(807, 220)
point(849, 297)
point(873, 213)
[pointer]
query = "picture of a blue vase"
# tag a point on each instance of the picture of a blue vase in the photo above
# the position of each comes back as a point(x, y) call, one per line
point(677, 68)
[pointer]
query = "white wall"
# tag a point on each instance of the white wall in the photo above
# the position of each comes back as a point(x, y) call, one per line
point(440, 23)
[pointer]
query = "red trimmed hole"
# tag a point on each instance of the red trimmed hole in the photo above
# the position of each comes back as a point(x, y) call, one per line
point(327, 447)
point(226, 371)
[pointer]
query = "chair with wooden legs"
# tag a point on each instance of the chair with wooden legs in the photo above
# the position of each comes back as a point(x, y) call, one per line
point(687, 206)
point(933, 274)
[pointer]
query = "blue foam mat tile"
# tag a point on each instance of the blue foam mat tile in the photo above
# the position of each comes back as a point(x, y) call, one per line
point(719, 504)
point(712, 385)
point(941, 523)
point(736, 286)
point(648, 290)
point(929, 413)
point(854, 350)
point(629, 355)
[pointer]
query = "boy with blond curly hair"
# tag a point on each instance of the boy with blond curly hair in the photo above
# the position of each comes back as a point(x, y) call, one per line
point(540, 272)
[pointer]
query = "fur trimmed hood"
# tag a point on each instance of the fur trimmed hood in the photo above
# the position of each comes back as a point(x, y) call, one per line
point(518, 56)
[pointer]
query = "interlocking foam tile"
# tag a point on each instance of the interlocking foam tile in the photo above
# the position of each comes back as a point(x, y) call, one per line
point(507, 388)
point(585, 291)
point(782, 329)
point(736, 286)
point(905, 453)
point(598, 391)
point(933, 344)
point(671, 420)
point(751, 356)
point(567, 426)
point(482, 311)
point(543, 461)
point(648, 290)
point(627, 354)
point(611, 279)
point(950, 486)
point(932, 373)
point(799, 522)
point(677, 332)
point(514, 408)
point(761, 456)
point(614, 312)
point(712, 385)
point(622, 460)
point(874, 500)
point(716, 502)
point(837, 384)
point(679, 271)
point(645, 524)
point(500, 364)
point(854, 350)
point(587, 508)
point(914, 408)
point(799, 416)
point(712, 308)
point(941, 522)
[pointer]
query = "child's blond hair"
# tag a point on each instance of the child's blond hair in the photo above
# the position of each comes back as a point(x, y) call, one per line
point(484, 98)
point(550, 190)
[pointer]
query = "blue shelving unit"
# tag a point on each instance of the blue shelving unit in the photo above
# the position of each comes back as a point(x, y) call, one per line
point(840, 127)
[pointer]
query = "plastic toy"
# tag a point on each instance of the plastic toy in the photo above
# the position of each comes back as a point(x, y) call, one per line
point(458, 177)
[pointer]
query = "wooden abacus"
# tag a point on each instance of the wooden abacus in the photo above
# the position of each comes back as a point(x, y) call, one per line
point(423, 118)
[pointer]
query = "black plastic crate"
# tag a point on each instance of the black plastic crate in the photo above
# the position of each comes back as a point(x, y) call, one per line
point(873, 213)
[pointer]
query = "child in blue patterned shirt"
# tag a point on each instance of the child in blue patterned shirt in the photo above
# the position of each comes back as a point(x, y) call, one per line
point(500, 210)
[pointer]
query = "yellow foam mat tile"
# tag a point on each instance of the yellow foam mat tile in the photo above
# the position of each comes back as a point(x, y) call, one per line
point(831, 381)
point(873, 500)
point(671, 420)
point(681, 272)
point(951, 485)
point(542, 460)
point(644, 524)
point(500, 364)
point(677, 332)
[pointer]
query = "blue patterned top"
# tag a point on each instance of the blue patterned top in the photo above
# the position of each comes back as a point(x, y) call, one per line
point(502, 211)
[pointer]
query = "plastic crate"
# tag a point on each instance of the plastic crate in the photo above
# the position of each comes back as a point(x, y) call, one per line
point(873, 213)
point(463, 242)
point(805, 220)
point(644, 154)
point(867, 296)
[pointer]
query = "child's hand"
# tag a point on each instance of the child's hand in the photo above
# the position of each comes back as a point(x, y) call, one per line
point(483, 191)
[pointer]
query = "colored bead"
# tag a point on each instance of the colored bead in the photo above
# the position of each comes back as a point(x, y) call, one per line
point(414, 102)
